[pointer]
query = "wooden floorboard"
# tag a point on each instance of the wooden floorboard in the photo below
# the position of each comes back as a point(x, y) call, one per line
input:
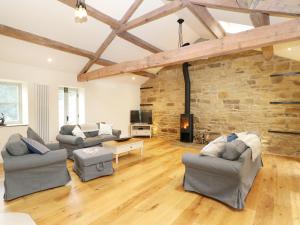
point(149, 191)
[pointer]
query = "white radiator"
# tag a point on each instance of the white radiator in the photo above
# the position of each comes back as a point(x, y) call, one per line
point(41, 99)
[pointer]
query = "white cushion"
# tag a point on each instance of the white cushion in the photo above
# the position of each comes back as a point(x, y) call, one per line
point(213, 149)
point(105, 129)
point(78, 132)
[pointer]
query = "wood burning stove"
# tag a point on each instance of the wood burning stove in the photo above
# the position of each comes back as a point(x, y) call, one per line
point(186, 119)
point(186, 127)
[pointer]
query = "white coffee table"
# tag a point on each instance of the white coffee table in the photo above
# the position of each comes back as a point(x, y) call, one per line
point(118, 148)
point(16, 219)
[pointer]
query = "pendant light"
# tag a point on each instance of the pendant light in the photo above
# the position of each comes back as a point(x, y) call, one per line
point(80, 12)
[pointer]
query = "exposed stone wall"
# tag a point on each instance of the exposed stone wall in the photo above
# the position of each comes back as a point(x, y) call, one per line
point(230, 94)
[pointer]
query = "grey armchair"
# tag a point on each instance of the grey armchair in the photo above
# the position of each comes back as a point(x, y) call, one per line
point(70, 142)
point(224, 180)
point(31, 173)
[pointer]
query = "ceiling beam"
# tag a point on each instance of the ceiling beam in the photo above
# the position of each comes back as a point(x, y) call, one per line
point(99, 52)
point(155, 14)
point(117, 24)
point(207, 19)
point(258, 20)
point(260, 7)
point(111, 36)
point(39, 40)
point(139, 42)
point(95, 14)
point(247, 40)
point(105, 62)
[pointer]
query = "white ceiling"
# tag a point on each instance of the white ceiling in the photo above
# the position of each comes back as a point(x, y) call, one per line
point(54, 20)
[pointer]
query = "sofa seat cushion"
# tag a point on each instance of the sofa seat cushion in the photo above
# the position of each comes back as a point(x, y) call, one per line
point(107, 137)
point(91, 141)
point(15, 146)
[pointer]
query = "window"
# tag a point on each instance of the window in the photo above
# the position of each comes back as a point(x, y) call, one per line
point(11, 102)
point(68, 106)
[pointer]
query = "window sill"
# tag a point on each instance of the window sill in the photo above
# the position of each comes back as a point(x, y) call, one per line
point(14, 125)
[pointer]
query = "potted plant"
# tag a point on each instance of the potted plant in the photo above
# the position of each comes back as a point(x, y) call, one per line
point(2, 119)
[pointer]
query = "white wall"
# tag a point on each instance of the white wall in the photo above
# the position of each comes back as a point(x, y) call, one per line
point(111, 102)
point(105, 100)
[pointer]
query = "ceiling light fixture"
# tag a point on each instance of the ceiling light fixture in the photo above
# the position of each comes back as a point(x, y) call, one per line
point(289, 49)
point(49, 60)
point(133, 78)
point(80, 12)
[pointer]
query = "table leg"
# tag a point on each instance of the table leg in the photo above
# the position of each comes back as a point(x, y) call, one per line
point(117, 158)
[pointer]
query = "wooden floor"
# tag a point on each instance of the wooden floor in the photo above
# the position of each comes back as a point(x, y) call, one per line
point(149, 191)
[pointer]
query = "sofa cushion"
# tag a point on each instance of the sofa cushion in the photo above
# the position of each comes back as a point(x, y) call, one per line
point(78, 132)
point(233, 150)
point(105, 129)
point(107, 137)
point(214, 149)
point(92, 141)
point(15, 146)
point(91, 133)
point(35, 147)
point(33, 135)
point(67, 129)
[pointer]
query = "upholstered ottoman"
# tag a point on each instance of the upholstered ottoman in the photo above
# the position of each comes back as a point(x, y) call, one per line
point(90, 163)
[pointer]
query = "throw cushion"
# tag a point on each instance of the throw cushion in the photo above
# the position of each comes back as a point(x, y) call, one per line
point(15, 146)
point(233, 150)
point(105, 129)
point(214, 149)
point(35, 147)
point(33, 135)
point(78, 132)
point(231, 137)
point(67, 129)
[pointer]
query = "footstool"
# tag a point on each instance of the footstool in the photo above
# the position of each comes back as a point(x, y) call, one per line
point(90, 163)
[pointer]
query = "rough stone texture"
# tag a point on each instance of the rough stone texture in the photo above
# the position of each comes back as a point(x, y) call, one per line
point(230, 94)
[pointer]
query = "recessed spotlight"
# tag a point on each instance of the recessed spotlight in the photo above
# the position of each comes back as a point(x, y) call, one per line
point(289, 49)
point(49, 60)
point(133, 78)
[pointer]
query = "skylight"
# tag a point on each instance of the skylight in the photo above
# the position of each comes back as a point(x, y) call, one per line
point(233, 28)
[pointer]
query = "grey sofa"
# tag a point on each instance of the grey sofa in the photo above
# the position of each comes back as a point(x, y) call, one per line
point(70, 142)
point(224, 180)
point(31, 173)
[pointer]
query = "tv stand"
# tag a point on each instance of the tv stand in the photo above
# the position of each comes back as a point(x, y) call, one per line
point(141, 130)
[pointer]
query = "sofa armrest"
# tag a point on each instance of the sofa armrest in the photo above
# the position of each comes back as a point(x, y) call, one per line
point(116, 133)
point(212, 165)
point(14, 163)
point(69, 139)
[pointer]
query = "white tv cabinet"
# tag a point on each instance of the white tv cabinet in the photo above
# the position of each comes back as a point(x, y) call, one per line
point(141, 130)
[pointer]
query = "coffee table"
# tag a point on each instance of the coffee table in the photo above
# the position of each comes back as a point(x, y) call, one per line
point(125, 146)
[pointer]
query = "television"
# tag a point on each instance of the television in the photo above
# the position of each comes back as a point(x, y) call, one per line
point(146, 116)
point(135, 116)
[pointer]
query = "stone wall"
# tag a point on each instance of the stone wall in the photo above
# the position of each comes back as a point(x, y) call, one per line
point(230, 94)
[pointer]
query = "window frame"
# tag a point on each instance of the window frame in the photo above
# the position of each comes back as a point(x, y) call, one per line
point(19, 103)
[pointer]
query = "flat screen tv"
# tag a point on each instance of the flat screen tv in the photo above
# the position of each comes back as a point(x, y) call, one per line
point(135, 116)
point(146, 116)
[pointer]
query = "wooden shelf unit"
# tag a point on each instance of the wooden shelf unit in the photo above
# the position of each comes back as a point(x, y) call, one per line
point(141, 130)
